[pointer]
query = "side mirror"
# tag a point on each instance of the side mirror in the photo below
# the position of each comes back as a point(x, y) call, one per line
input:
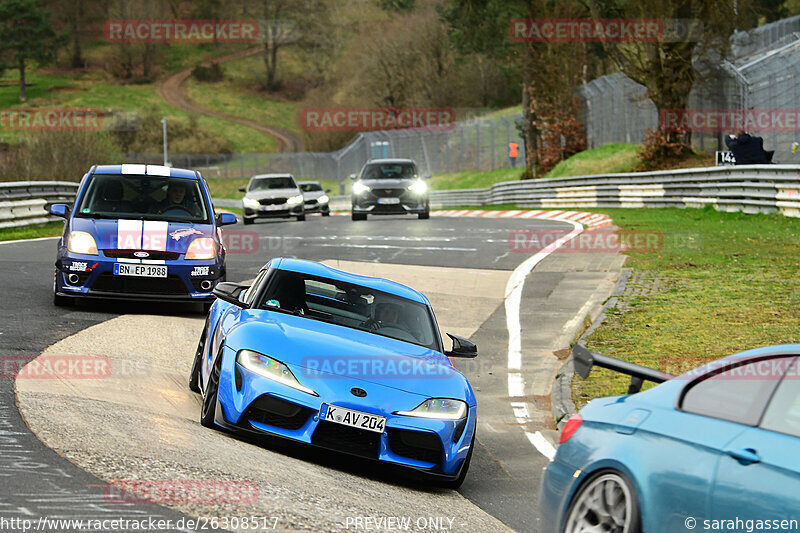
point(353, 177)
point(226, 219)
point(462, 347)
point(230, 292)
point(59, 210)
point(242, 189)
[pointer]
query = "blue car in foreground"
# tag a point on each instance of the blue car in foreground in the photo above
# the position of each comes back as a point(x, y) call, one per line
point(340, 361)
point(715, 448)
point(143, 232)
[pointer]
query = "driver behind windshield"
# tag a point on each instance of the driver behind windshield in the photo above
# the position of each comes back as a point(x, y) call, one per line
point(176, 199)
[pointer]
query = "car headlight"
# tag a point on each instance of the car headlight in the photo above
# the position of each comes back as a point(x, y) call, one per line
point(418, 187)
point(359, 188)
point(269, 368)
point(323, 199)
point(80, 242)
point(250, 203)
point(202, 248)
point(439, 408)
point(294, 200)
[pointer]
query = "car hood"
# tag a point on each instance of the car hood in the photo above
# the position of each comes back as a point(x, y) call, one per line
point(109, 234)
point(312, 195)
point(272, 193)
point(388, 183)
point(319, 350)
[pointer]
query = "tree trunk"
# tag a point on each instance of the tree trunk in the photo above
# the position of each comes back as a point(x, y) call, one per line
point(529, 130)
point(77, 49)
point(22, 96)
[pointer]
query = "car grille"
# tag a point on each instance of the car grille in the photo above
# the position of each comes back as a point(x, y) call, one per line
point(419, 445)
point(154, 255)
point(279, 413)
point(311, 202)
point(272, 201)
point(346, 439)
point(388, 193)
point(108, 282)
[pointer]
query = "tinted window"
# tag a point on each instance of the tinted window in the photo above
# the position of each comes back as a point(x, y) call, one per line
point(352, 306)
point(738, 394)
point(263, 184)
point(783, 413)
point(380, 171)
point(143, 197)
point(310, 187)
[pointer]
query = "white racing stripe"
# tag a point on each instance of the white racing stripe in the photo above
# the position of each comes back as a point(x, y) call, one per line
point(516, 381)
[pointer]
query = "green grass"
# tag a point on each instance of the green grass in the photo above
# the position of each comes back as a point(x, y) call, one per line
point(473, 179)
point(51, 229)
point(93, 91)
point(729, 283)
point(606, 159)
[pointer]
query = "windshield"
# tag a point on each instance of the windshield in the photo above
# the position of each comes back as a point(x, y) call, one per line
point(382, 171)
point(263, 184)
point(310, 187)
point(143, 197)
point(352, 306)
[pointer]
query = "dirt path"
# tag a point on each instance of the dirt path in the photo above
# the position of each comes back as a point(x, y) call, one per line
point(172, 90)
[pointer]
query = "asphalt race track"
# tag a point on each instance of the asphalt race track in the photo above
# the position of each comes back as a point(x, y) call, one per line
point(143, 424)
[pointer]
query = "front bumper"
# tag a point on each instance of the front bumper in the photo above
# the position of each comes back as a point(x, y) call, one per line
point(316, 207)
point(410, 203)
point(93, 277)
point(251, 403)
point(273, 211)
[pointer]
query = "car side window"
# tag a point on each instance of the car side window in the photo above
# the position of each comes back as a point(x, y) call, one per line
point(783, 412)
point(249, 294)
point(739, 393)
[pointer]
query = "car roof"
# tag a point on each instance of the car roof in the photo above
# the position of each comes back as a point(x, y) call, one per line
point(391, 160)
point(283, 175)
point(309, 182)
point(149, 170)
point(313, 268)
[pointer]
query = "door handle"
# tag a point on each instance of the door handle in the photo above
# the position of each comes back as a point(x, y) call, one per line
point(745, 456)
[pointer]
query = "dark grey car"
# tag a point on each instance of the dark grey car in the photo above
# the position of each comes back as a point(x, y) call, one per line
point(390, 187)
point(272, 196)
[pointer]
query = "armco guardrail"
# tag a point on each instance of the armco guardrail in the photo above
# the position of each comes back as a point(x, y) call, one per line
point(748, 188)
point(25, 202)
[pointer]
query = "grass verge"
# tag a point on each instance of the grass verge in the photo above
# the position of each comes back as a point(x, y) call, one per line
point(51, 229)
point(723, 283)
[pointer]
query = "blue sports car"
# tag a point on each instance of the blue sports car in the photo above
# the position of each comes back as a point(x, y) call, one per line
point(146, 232)
point(340, 361)
point(715, 448)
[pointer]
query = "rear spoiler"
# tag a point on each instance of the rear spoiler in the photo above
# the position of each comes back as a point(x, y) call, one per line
point(584, 360)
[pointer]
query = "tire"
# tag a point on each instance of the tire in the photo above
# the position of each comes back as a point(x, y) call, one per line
point(247, 221)
point(58, 300)
point(605, 502)
point(326, 213)
point(359, 216)
point(301, 218)
point(424, 216)
point(209, 409)
point(462, 475)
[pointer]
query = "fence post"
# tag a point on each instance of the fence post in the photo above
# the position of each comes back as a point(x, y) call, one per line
point(491, 125)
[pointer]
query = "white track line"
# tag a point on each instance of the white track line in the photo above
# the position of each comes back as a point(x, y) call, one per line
point(29, 240)
point(516, 381)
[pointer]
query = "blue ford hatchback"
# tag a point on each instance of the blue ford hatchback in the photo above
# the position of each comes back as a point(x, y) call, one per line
point(144, 232)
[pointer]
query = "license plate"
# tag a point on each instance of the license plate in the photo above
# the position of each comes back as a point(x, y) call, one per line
point(355, 419)
point(388, 201)
point(273, 207)
point(142, 271)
